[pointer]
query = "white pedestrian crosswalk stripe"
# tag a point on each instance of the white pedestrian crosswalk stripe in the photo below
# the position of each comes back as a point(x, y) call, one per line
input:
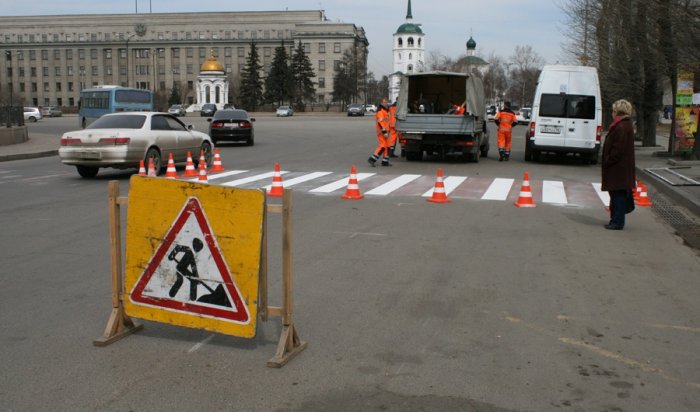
point(553, 192)
point(245, 180)
point(301, 179)
point(499, 189)
point(339, 184)
point(604, 196)
point(451, 183)
point(393, 185)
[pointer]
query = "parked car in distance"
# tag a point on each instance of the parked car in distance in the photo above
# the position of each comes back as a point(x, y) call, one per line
point(523, 115)
point(32, 114)
point(208, 110)
point(371, 108)
point(122, 140)
point(51, 111)
point(356, 109)
point(177, 110)
point(284, 111)
point(232, 126)
point(491, 113)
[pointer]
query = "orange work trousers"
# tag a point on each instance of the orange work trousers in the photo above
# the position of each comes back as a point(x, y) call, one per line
point(382, 149)
point(505, 140)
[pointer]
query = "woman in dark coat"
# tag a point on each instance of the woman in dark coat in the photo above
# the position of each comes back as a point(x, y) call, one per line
point(618, 163)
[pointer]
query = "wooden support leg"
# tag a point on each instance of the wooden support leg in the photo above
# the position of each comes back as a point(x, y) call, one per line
point(119, 326)
point(288, 347)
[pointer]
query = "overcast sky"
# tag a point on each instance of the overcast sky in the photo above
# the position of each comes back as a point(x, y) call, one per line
point(496, 25)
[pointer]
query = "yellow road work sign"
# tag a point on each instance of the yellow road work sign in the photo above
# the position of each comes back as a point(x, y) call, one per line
point(193, 254)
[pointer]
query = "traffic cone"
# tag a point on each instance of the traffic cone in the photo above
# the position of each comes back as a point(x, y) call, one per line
point(171, 172)
point(643, 196)
point(439, 195)
point(525, 198)
point(353, 190)
point(277, 190)
point(637, 190)
point(217, 166)
point(190, 171)
point(142, 168)
point(201, 157)
point(202, 171)
point(151, 168)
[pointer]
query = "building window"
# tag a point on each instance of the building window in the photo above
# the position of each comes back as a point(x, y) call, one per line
point(44, 38)
point(336, 47)
point(34, 87)
point(202, 36)
point(46, 86)
point(190, 85)
point(20, 55)
point(321, 82)
point(307, 48)
point(161, 53)
point(21, 87)
point(69, 54)
point(142, 53)
point(175, 52)
point(81, 54)
point(322, 47)
point(93, 54)
point(122, 70)
point(94, 71)
point(190, 52)
point(70, 86)
point(202, 52)
point(160, 35)
point(400, 42)
point(69, 70)
point(93, 36)
point(410, 42)
point(108, 37)
point(336, 65)
point(81, 37)
point(174, 35)
point(32, 54)
point(227, 34)
point(241, 52)
point(56, 54)
point(122, 53)
point(161, 85)
point(227, 52)
point(21, 72)
point(108, 53)
point(9, 72)
point(31, 38)
point(44, 55)
point(57, 71)
point(190, 69)
point(58, 86)
point(108, 70)
point(32, 70)
point(59, 101)
point(321, 65)
point(188, 36)
point(228, 68)
point(241, 35)
point(45, 71)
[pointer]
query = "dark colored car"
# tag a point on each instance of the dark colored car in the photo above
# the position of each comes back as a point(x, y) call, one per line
point(208, 110)
point(232, 126)
point(356, 109)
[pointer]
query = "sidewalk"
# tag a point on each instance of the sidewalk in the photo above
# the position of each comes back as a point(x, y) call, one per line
point(649, 166)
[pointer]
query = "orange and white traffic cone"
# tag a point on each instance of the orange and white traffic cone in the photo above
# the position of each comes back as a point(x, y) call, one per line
point(637, 190)
point(151, 169)
point(171, 172)
point(190, 171)
point(217, 166)
point(202, 171)
point(277, 189)
point(525, 197)
point(142, 168)
point(439, 195)
point(643, 196)
point(201, 157)
point(353, 190)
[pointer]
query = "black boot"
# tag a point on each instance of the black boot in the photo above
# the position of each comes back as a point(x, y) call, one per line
point(501, 155)
point(372, 161)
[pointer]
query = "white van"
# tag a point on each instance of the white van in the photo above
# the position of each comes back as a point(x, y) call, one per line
point(566, 113)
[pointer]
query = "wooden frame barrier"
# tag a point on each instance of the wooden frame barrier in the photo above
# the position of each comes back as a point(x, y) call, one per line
point(121, 325)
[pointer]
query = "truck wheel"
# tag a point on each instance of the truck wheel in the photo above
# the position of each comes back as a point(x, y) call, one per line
point(484, 151)
point(528, 152)
point(414, 156)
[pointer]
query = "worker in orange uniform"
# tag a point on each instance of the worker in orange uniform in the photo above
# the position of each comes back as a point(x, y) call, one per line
point(382, 121)
point(458, 109)
point(393, 135)
point(505, 120)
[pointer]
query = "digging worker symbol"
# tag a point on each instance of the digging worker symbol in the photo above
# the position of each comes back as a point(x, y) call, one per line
point(382, 118)
point(187, 268)
point(505, 120)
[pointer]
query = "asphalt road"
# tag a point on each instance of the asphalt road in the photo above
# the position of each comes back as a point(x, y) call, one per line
point(475, 305)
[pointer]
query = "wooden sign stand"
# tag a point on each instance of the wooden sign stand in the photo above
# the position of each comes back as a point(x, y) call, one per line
point(289, 344)
point(121, 325)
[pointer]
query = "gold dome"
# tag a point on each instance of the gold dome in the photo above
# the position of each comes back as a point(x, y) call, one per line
point(212, 65)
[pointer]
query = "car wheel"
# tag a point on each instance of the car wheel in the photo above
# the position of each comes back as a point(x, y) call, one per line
point(87, 172)
point(206, 149)
point(32, 119)
point(153, 155)
point(250, 141)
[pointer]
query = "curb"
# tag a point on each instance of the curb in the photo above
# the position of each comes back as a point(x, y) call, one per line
point(23, 156)
point(676, 195)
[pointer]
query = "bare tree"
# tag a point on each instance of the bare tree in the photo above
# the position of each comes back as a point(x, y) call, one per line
point(526, 66)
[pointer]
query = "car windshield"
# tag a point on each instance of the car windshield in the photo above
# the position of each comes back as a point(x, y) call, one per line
point(231, 115)
point(355, 106)
point(177, 106)
point(129, 121)
point(283, 108)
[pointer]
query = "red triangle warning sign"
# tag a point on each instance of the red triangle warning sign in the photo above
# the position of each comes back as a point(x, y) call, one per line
point(188, 273)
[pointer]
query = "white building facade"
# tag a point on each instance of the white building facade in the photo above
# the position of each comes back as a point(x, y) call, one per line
point(409, 52)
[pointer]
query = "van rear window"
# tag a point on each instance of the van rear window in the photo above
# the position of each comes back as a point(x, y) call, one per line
point(567, 105)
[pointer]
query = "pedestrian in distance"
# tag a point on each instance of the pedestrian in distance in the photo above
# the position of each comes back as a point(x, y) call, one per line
point(382, 122)
point(618, 172)
point(505, 120)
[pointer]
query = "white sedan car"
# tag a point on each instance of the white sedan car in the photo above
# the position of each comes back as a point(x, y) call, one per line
point(121, 140)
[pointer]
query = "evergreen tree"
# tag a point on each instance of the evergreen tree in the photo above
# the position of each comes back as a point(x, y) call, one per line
point(175, 97)
point(302, 72)
point(278, 83)
point(251, 83)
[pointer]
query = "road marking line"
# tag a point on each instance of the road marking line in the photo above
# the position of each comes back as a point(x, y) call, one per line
point(604, 196)
point(451, 184)
point(249, 179)
point(301, 179)
point(219, 175)
point(202, 343)
point(331, 187)
point(553, 192)
point(393, 184)
point(499, 189)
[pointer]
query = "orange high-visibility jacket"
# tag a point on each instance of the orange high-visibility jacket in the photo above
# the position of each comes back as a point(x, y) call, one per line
point(506, 119)
point(382, 117)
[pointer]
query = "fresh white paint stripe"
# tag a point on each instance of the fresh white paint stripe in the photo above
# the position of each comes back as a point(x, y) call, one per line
point(499, 189)
point(249, 179)
point(392, 185)
point(331, 187)
point(301, 179)
point(450, 183)
point(604, 196)
point(202, 343)
point(219, 175)
point(553, 192)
